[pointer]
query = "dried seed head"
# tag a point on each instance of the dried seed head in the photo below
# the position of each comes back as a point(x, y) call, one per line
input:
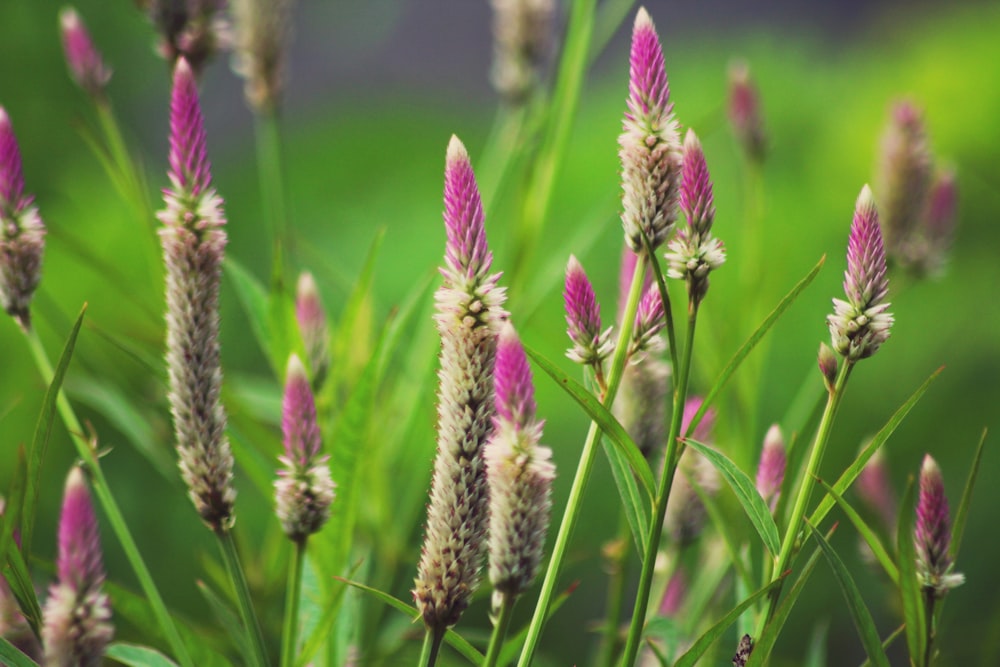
point(743, 651)
point(194, 239)
point(771, 468)
point(470, 311)
point(591, 346)
point(262, 30)
point(311, 318)
point(85, 64)
point(522, 32)
point(861, 324)
point(744, 112)
point(77, 618)
point(520, 474)
point(932, 533)
point(650, 147)
point(22, 234)
point(189, 29)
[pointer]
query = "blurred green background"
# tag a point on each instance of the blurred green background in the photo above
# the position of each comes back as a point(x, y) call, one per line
point(375, 90)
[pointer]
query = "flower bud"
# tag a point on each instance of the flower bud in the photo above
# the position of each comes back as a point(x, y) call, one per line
point(85, 64)
point(932, 533)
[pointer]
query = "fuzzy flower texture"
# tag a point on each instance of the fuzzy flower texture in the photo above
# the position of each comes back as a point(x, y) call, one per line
point(650, 146)
point(932, 533)
point(520, 474)
point(77, 617)
point(591, 346)
point(22, 234)
point(304, 489)
point(85, 64)
point(470, 312)
point(861, 324)
point(193, 240)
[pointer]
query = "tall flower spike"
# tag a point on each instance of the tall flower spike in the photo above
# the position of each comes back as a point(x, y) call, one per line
point(262, 30)
point(470, 311)
point(522, 32)
point(22, 234)
point(77, 617)
point(311, 318)
point(650, 146)
point(904, 181)
point(591, 346)
point(861, 324)
point(520, 474)
point(771, 469)
point(85, 64)
point(932, 533)
point(304, 489)
point(194, 239)
point(694, 252)
point(744, 112)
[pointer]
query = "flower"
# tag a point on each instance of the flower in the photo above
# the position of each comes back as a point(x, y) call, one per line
point(304, 489)
point(875, 489)
point(77, 618)
point(189, 29)
point(470, 311)
point(650, 147)
point(771, 468)
point(193, 239)
point(591, 346)
point(744, 112)
point(904, 177)
point(85, 64)
point(861, 324)
point(22, 234)
point(262, 29)
point(932, 533)
point(311, 318)
point(522, 31)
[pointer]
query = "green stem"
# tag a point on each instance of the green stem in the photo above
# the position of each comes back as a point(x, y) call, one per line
point(670, 458)
point(500, 629)
point(289, 634)
point(616, 593)
point(806, 485)
point(929, 600)
point(248, 616)
point(587, 456)
point(103, 493)
point(271, 175)
point(432, 644)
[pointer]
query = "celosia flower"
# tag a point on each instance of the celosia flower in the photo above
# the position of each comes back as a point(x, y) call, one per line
point(685, 516)
point(522, 31)
point(875, 488)
point(932, 533)
point(649, 322)
point(262, 29)
point(771, 468)
point(694, 252)
point(675, 594)
point(591, 346)
point(520, 473)
point(312, 323)
point(650, 144)
point(861, 324)
point(744, 112)
point(85, 64)
point(304, 490)
point(194, 239)
point(904, 179)
point(938, 224)
point(77, 618)
point(470, 311)
point(189, 29)
point(22, 234)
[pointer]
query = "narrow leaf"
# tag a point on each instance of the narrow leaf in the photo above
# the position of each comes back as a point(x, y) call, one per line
point(19, 579)
point(350, 340)
point(635, 508)
point(229, 621)
point(609, 425)
point(862, 618)
point(909, 585)
point(867, 534)
point(451, 637)
point(962, 515)
point(887, 642)
point(138, 656)
point(746, 492)
point(253, 297)
point(10, 655)
point(693, 654)
point(724, 529)
point(751, 343)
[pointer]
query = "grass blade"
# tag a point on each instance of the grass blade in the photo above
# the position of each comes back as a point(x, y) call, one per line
point(746, 493)
point(909, 585)
point(962, 515)
point(253, 297)
point(636, 511)
point(354, 329)
point(138, 656)
point(11, 656)
point(609, 425)
point(862, 618)
point(887, 642)
point(867, 534)
point(229, 621)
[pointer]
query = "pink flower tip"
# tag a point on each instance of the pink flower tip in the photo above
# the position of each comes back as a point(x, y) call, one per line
point(696, 199)
point(189, 166)
point(744, 111)
point(703, 430)
point(11, 175)
point(932, 533)
point(466, 255)
point(298, 416)
point(85, 63)
point(79, 562)
point(583, 317)
point(649, 92)
point(515, 393)
point(771, 469)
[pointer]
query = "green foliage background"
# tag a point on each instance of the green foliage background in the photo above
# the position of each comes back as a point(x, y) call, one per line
point(369, 159)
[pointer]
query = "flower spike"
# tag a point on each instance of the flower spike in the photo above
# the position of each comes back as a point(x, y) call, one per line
point(932, 533)
point(522, 31)
point(771, 469)
point(591, 346)
point(85, 64)
point(744, 112)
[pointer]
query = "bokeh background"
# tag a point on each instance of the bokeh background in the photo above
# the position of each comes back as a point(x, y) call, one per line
point(374, 91)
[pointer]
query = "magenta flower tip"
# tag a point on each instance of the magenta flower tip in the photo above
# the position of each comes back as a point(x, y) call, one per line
point(515, 393)
point(649, 92)
point(696, 199)
point(875, 488)
point(85, 63)
point(79, 562)
point(744, 111)
point(298, 415)
point(932, 533)
point(189, 166)
point(467, 254)
point(11, 175)
point(942, 205)
point(771, 469)
point(703, 430)
point(674, 595)
point(583, 317)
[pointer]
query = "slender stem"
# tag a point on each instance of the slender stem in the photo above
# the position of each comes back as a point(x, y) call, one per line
point(806, 485)
point(929, 616)
point(103, 493)
point(289, 633)
point(587, 456)
point(500, 629)
point(616, 593)
point(432, 644)
point(248, 616)
point(670, 458)
point(271, 174)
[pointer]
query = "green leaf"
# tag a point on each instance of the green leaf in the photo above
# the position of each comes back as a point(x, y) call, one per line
point(862, 618)
point(867, 534)
point(451, 637)
point(321, 632)
point(962, 515)
point(351, 338)
point(909, 585)
point(723, 527)
point(746, 492)
point(636, 510)
point(609, 425)
point(254, 299)
point(18, 577)
point(848, 476)
point(229, 621)
point(887, 642)
point(13, 657)
point(751, 342)
point(693, 654)
point(138, 656)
